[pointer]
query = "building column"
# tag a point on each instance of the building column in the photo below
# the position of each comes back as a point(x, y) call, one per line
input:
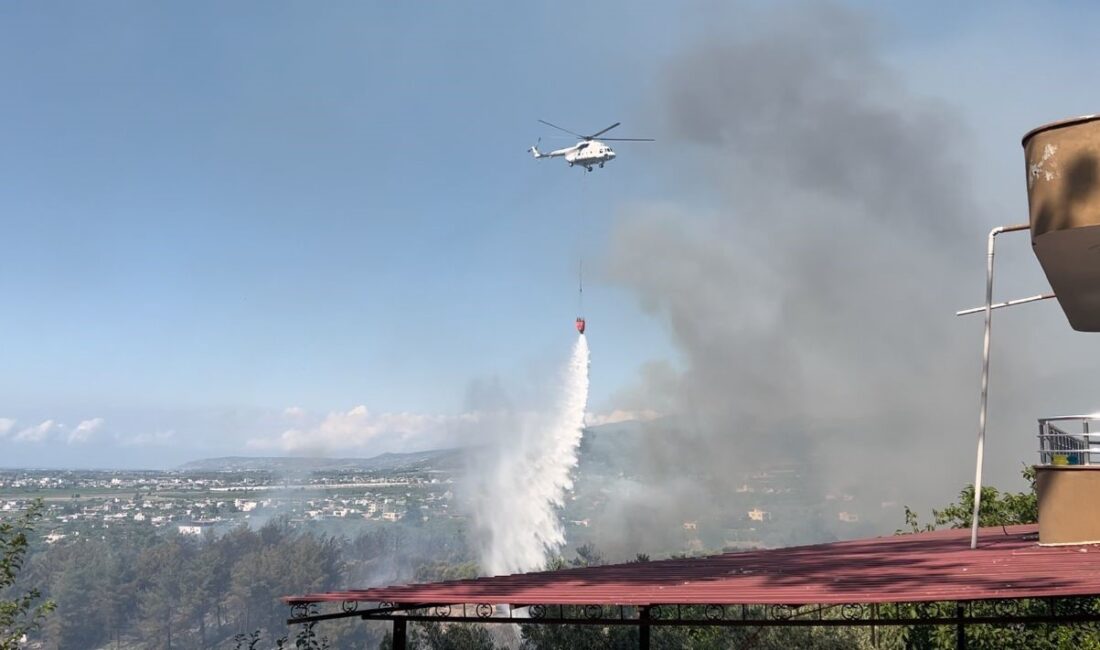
point(643, 628)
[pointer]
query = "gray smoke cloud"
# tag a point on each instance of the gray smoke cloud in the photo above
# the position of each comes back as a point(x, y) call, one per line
point(810, 283)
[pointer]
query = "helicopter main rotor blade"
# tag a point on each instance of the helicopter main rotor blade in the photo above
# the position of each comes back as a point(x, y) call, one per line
point(630, 139)
point(598, 133)
point(578, 135)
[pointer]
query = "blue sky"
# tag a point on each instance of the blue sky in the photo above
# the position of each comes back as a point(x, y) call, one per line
point(214, 212)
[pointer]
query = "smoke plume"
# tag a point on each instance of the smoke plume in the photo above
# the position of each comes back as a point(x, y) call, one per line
point(810, 284)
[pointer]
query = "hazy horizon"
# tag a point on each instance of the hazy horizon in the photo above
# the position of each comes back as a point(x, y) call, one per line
point(232, 231)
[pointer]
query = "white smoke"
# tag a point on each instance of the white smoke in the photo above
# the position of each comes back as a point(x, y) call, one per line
point(519, 483)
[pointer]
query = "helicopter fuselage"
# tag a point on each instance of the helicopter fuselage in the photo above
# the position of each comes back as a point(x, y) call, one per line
point(590, 153)
point(587, 154)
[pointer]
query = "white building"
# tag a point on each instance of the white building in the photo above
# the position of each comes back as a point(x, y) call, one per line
point(196, 528)
point(756, 514)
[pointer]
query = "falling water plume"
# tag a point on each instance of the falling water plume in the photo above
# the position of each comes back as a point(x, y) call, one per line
point(523, 480)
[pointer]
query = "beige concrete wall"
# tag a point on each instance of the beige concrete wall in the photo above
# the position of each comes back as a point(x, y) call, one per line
point(1069, 504)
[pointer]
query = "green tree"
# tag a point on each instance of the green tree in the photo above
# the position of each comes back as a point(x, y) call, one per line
point(284, 563)
point(442, 636)
point(163, 569)
point(117, 594)
point(571, 637)
point(998, 508)
point(588, 555)
point(441, 571)
point(82, 569)
point(20, 614)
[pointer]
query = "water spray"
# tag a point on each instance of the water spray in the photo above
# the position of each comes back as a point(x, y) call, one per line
point(524, 482)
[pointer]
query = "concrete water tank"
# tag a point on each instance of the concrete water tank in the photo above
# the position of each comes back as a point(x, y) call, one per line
point(1063, 193)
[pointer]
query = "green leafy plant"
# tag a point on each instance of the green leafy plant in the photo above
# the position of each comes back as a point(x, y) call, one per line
point(20, 614)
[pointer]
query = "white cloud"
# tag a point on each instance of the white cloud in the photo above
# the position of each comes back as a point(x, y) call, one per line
point(37, 433)
point(6, 425)
point(84, 431)
point(619, 415)
point(295, 412)
point(359, 428)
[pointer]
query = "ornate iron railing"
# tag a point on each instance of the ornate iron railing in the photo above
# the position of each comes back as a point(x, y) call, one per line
point(1066, 610)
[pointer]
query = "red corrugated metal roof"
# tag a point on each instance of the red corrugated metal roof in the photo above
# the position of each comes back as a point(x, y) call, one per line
point(906, 568)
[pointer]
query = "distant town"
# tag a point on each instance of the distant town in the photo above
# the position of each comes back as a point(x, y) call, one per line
point(342, 496)
point(195, 503)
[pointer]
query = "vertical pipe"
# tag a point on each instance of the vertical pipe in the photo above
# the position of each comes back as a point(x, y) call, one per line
point(874, 630)
point(400, 641)
point(1042, 444)
point(643, 628)
point(985, 375)
point(1086, 457)
point(960, 627)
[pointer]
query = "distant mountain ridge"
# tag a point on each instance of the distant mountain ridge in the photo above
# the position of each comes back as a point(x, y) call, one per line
point(600, 445)
point(430, 459)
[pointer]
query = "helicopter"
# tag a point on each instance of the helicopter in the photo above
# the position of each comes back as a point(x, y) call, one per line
point(587, 153)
